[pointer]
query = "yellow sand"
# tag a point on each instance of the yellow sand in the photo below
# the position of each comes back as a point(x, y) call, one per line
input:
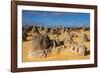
point(63, 55)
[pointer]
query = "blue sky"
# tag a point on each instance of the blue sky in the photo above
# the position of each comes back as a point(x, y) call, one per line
point(50, 18)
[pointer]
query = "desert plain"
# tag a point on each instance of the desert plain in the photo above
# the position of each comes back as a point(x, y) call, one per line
point(68, 43)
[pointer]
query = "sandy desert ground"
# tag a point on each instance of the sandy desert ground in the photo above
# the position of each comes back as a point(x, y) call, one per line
point(63, 54)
